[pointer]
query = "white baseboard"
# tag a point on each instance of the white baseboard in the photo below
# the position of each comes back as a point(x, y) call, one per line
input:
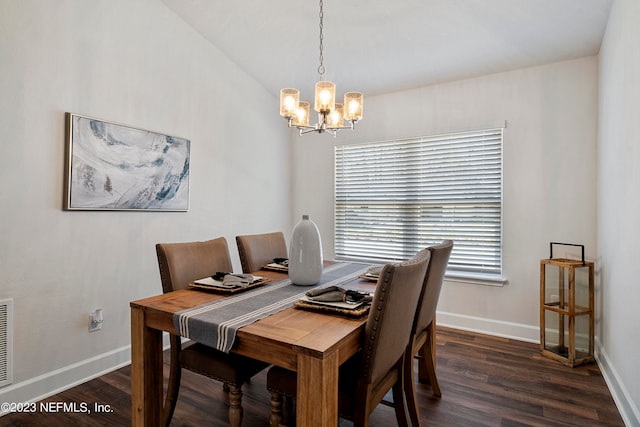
point(54, 382)
point(51, 383)
point(481, 325)
point(626, 406)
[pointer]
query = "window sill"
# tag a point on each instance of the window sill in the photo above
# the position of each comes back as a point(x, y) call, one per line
point(476, 279)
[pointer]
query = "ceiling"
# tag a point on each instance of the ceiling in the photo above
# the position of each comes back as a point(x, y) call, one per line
point(376, 46)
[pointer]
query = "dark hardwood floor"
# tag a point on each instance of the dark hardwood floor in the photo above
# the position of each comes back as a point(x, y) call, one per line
point(485, 381)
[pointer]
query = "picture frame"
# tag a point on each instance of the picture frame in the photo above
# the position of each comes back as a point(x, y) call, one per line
point(115, 167)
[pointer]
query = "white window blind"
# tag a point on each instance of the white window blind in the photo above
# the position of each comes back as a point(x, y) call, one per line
point(395, 198)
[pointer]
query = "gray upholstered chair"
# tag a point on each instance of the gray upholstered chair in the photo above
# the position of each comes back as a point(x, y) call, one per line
point(365, 378)
point(256, 250)
point(181, 264)
point(421, 332)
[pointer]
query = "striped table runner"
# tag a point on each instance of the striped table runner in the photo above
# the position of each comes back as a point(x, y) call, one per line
point(215, 324)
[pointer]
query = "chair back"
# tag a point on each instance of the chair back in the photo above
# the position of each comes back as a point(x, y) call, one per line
point(391, 316)
point(256, 250)
point(182, 263)
point(432, 284)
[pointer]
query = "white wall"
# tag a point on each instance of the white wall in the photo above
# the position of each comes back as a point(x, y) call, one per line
point(136, 63)
point(549, 175)
point(619, 204)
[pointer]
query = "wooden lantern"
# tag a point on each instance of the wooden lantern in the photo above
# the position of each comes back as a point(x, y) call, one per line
point(567, 309)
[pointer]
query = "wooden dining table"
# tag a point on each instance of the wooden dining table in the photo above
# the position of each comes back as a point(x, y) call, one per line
point(314, 344)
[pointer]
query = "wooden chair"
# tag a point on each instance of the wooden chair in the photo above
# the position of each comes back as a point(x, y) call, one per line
point(377, 367)
point(181, 264)
point(423, 329)
point(257, 250)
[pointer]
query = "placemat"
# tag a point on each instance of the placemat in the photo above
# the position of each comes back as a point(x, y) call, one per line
point(222, 290)
point(353, 312)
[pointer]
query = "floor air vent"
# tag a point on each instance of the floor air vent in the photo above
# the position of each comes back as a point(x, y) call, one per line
point(6, 342)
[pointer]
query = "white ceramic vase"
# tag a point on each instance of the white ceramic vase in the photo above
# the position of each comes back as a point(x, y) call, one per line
point(305, 253)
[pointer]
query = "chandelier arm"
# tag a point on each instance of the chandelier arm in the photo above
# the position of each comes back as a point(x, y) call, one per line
point(308, 129)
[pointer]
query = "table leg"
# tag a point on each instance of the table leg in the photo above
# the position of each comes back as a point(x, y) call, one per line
point(317, 399)
point(146, 372)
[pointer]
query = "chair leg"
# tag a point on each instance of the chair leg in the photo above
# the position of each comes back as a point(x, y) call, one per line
point(410, 390)
point(225, 393)
point(173, 387)
point(275, 419)
point(362, 420)
point(288, 412)
point(427, 365)
point(398, 401)
point(235, 405)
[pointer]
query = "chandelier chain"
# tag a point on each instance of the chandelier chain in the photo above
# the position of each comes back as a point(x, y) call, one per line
point(321, 67)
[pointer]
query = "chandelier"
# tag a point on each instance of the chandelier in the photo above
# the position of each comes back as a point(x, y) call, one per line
point(331, 114)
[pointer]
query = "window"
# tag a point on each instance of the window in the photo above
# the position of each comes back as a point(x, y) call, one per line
point(394, 198)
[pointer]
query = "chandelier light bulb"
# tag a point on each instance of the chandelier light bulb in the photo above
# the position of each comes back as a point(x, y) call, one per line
point(301, 117)
point(289, 101)
point(353, 101)
point(335, 120)
point(325, 96)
